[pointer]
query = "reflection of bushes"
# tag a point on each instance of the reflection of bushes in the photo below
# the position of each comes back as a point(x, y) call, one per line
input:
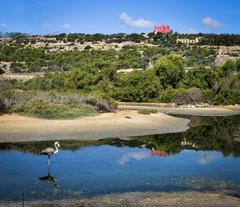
point(213, 133)
point(169, 143)
point(36, 147)
point(217, 134)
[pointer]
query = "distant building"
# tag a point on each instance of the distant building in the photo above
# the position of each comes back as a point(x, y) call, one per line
point(189, 41)
point(162, 29)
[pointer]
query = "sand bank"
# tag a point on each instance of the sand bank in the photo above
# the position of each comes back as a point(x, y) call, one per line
point(194, 111)
point(15, 128)
point(138, 199)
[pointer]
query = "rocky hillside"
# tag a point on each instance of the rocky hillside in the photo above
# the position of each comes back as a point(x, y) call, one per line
point(21, 53)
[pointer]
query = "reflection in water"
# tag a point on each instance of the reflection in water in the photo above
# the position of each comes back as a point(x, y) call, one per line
point(158, 153)
point(205, 157)
point(49, 179)
point(133, 155)
point(207, 133)
point(208, 157)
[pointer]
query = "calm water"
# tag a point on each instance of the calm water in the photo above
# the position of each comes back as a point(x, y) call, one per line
point(206, 157)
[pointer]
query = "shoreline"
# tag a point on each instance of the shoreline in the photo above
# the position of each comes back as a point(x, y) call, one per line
point(125, 122)
point(16, 128)
point(141, 199)
point(190, 110)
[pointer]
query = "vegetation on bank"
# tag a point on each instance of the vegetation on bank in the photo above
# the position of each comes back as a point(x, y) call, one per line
point(54, 111)
point(52, 105)
point(166, 82)
point(147, 111)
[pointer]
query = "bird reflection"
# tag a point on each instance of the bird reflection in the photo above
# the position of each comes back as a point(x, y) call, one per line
point(49, 179)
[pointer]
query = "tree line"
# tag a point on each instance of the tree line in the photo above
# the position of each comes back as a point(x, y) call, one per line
point(167, 81)
point(28, 59)
point(158, 39)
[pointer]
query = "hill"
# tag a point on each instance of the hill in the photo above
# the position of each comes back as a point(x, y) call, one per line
point(177, 68)
point(62, 52)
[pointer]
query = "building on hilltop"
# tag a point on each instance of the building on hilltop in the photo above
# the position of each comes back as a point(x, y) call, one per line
point(162, 29)
point(189, 41)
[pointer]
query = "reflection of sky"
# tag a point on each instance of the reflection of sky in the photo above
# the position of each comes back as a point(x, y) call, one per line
point(202, 158)
point(109, 169)
point(135, 154)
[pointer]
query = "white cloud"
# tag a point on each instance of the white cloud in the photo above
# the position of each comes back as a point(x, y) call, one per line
point(67, 26)
point(3, 25)
point(210, 22)
point(133, 155)
point(129, 21)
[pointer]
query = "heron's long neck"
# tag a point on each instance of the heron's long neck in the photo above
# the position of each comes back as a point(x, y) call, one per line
point(56, 150)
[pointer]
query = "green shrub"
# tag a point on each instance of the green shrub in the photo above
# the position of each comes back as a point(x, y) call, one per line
point(54, 111)
point(3, 106)
point(147, 111)
point(153, 111)
point(168, 95)
point(227, 97)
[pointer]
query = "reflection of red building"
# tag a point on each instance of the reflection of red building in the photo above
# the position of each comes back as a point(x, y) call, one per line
point(158, 153)
point(162, 29)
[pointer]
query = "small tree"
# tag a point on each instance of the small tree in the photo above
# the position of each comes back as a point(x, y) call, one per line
point(169, 69)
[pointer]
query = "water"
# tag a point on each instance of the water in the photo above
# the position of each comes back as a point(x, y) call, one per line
point(206, 157)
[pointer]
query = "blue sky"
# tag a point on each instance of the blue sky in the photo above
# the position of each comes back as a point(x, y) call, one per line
point(113, 16)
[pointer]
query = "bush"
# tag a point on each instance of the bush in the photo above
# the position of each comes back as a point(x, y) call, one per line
point(191, 96)
point(54, 111)
point(227, 97)
point(208, 95)
point(100, 103)
point(168, 95)
point(147, 111)
point(3, 106)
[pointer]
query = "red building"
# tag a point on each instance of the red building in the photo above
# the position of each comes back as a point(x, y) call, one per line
point(162, 29)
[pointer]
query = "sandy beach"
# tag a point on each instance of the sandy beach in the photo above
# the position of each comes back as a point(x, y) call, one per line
point(15, 128)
